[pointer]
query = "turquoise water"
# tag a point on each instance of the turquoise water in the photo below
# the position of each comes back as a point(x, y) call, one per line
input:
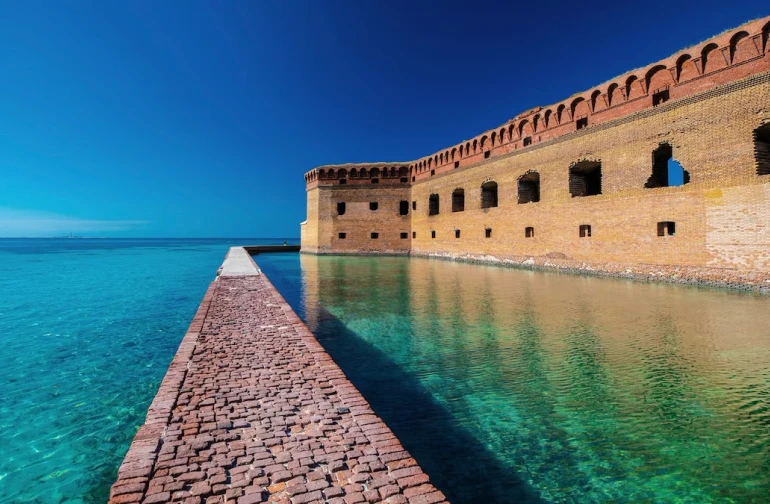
point(87, 328)
point(518, 386)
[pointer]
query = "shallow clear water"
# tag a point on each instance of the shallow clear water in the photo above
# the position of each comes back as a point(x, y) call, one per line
point(518, 386)
point(87, 330)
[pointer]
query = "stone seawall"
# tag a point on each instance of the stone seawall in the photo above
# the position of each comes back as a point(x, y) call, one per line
point(252, 409)
point(723, 278)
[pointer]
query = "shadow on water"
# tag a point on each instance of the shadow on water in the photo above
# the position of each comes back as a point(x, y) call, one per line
point(467, 471)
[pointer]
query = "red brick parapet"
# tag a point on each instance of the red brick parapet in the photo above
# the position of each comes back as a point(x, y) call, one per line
point(727, 57)
point(252, 409)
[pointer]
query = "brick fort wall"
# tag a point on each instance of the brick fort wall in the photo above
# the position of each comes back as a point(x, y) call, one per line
point(585, 179)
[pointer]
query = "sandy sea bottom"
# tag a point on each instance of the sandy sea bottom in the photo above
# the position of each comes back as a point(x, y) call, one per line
point(87, 329)
point(520, 386)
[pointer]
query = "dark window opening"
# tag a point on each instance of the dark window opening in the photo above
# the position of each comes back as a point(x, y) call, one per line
point(458, 200)
point(373, 205)
point(660, 97)
point(341, 208)
point(585, 179)
point(403, 208)
point(375, 236)
point(432, 172)
point(666, 171)
point(527, 141)
point(457, 164)
point(414, 205)
point(375, 181)
point(404, 236)
point(433, 206)
point(582, 123)
point(414, 234)
point(342, 236)
point(666, 228)
point(529, 232)
point(404, 180)
point(413, 179)
point(585, 231)
point(488, 232)
point(529, 187)
point(432, 234)
point(489, 195)
point(486, 154)
point(457, 233)
point(762, 149)
point(343, 181)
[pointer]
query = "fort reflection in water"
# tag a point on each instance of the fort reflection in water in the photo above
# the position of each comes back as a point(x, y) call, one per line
point(565, 388)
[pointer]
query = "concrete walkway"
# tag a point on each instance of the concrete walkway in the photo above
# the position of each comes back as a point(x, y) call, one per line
point(252, 409)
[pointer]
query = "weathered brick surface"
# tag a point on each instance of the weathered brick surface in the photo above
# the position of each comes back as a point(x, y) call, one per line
point(716, 106)
point(252, 409)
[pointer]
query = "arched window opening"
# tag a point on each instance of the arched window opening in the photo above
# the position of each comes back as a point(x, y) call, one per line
point(510, 132)
point(374, 173)
point(710, 57)
point(738, 49)
point(547, 118)
point(585, 178)
point(492, 138)
point(681, 69)
point(766, 38)
point(403, 171)
point(529, 187)
point(454, 153)
point(666, 171)
point(560, 113)
point(353, 173)
point(523, 124)
point(633, 88)
point(595, 100)
point(343, 173)
point(330, 174)
point(762, 149)
point(612, 94)
point(433, 206)
point(321, 174)
point(475, 143)
point(502, 135)
point(403, 208)
point(458, 200)
point(489, 194)
point(363, 173)
point(341, 208)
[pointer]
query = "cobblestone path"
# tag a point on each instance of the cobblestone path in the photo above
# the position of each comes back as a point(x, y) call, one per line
point(252, 409)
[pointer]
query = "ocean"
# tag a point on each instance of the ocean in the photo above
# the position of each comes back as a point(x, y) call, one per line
point(88, 328)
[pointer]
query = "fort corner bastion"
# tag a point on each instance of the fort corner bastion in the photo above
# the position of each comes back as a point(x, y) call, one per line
point(663, 173)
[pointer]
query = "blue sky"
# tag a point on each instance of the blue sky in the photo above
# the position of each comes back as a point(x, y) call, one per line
point(199, 118)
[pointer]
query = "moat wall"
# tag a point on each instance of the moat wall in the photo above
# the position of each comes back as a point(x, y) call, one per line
point(712, 121)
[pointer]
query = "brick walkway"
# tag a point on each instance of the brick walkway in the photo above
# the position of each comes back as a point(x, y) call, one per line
point(252, 409)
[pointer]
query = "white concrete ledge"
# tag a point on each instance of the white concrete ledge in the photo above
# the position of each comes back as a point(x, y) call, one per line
point(238, 263)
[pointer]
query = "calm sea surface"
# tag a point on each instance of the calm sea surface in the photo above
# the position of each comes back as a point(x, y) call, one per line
point(517, 386)
point(87, 330)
